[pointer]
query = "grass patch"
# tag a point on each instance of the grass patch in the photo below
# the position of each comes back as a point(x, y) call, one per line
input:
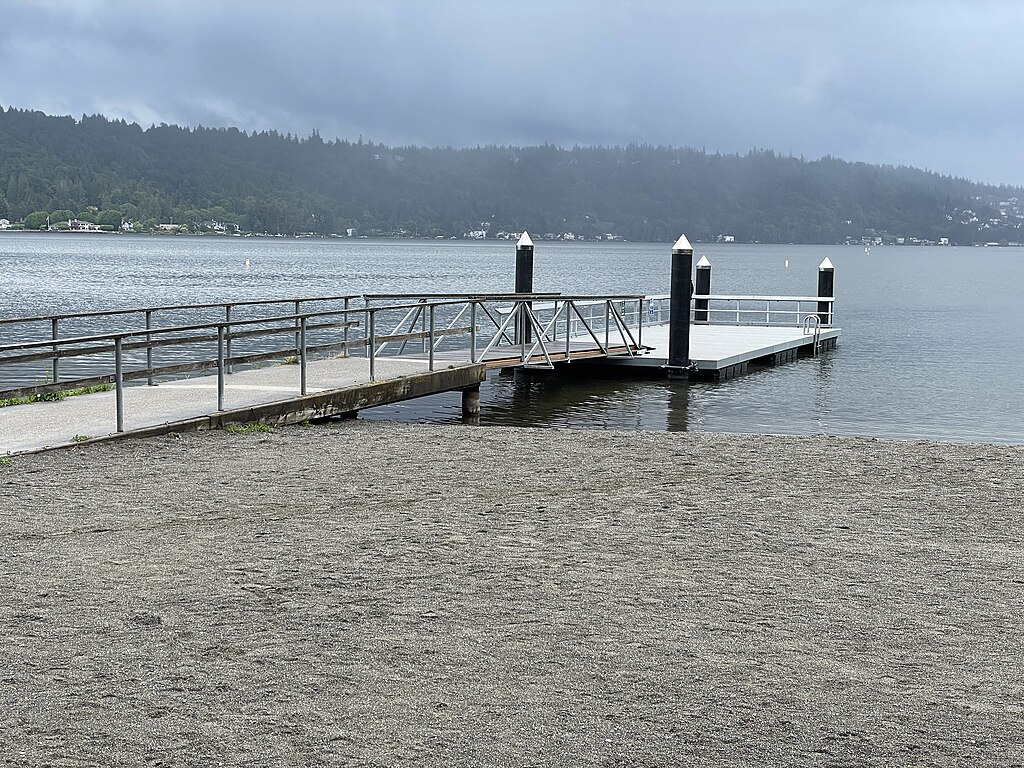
point(5, 462)
point(81, 438)
point(249, 428)
point(50, 397)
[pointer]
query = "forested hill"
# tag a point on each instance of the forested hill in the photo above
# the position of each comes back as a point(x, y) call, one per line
point(109, 172)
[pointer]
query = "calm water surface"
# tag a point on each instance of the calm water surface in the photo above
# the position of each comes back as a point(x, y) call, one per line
point(932, 341)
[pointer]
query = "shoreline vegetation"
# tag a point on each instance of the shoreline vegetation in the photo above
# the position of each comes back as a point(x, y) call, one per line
point(264, 235)
point(96, 173)
point(370, 592)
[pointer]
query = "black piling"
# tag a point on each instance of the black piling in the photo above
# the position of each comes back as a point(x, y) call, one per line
point(524, 283)
point(701, 313)
point(826, 288)
point(681, 291)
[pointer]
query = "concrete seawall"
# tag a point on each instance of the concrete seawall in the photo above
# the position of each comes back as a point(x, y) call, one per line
point(375, 594)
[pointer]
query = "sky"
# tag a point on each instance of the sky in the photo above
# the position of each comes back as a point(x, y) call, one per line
point(934, 84)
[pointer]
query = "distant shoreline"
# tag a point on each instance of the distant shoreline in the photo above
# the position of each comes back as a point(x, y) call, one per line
point(571, 243)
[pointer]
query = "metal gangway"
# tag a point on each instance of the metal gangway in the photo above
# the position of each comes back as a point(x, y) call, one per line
point(49, 357)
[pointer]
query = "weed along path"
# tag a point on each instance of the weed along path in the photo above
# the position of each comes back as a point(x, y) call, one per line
point(367, 593)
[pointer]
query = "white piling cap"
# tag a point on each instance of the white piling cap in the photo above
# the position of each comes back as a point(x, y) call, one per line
point(525, 241)
point(703, 262)
point(682, 244)
point(826, 264)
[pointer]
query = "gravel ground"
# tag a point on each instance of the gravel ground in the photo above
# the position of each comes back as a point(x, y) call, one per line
point(377, 594)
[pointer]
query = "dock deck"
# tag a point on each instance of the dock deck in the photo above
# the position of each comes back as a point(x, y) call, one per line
point(724, 351)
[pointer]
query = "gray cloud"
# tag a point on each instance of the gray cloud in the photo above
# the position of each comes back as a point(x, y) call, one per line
point(929, 83)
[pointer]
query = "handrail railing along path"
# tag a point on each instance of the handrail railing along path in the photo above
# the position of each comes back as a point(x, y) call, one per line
point(386, 323)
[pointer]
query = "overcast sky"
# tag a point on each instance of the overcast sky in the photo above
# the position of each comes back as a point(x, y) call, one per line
point(931, 83)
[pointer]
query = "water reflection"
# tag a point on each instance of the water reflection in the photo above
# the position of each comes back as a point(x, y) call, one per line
point(824, 391)
point(678, 402)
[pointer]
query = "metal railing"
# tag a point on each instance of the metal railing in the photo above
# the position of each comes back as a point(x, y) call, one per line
point(94, 322)
point(535, 330)
point(121, 344)
point(526, 334)
point(722, 309)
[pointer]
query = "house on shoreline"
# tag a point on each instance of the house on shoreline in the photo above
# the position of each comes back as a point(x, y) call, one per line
point(77, 225)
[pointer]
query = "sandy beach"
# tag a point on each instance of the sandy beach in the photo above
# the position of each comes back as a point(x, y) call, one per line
point(377, 594)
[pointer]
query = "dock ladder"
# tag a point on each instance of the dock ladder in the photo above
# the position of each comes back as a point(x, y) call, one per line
point(812, 324)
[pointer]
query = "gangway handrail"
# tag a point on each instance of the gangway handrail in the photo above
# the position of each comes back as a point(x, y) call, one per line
point(222, 331)
point(173, 307)
point(136, 332)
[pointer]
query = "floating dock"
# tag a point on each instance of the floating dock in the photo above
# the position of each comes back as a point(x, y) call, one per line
point(347, 353)
point(724, 351)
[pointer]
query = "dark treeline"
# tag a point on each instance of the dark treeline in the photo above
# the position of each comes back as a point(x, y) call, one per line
point(110, 171)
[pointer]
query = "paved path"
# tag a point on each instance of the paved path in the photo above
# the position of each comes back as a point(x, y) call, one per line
point(370, 594)
point(37, 425)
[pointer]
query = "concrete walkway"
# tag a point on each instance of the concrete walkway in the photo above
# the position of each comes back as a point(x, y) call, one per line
point(74, 419)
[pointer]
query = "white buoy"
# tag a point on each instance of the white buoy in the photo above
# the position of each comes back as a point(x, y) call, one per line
point(248, 264)
point(787, 263)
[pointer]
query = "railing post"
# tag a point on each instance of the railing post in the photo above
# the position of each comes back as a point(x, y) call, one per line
point(472, 331)
point(826, 289)
point(55, 373)
point(302, 356)
point(607, 319)
point(373, 341)
point(423, 328)
point(297, 309)
point(220, 367)
point(430, 340)
point(679, 309)
point(345, 350)
point(227, 333)
point(366, 317)
point(149, 347)
point(568, 336)
point(703, 287)
point(522, 321)
point(639, 321)
point(119, 384)
point(524, 281)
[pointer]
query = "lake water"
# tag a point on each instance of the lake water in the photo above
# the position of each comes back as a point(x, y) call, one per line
point(932, 344)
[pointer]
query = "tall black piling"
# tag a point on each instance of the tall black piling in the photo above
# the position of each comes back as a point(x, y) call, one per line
point(826, 288)
point(701, 313)
point(524, 283)
point(681, 291)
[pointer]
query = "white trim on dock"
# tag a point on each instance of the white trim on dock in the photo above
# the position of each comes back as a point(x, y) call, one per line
point(717, 347)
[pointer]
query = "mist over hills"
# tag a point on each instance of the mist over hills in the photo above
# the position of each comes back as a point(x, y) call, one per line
point(113, 173)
